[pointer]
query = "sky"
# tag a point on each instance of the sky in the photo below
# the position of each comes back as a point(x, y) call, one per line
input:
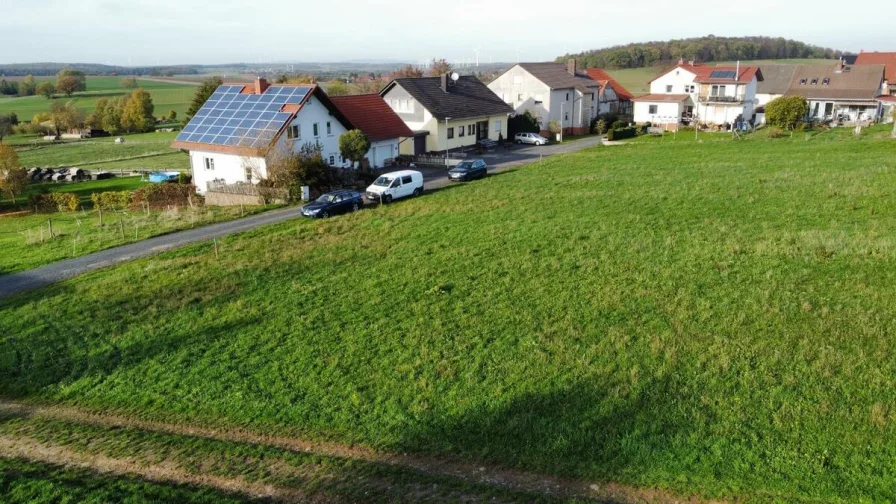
point(150, 32)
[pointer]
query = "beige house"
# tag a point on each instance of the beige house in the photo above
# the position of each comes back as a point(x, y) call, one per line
point(444, 113)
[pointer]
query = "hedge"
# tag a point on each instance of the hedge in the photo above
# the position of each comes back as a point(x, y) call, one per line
point(54, 202)
point(165, 195)
point(111, 200)
point(622, 133)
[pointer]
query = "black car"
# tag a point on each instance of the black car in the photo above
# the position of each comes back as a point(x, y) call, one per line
point(333, 203)
point(468, 170)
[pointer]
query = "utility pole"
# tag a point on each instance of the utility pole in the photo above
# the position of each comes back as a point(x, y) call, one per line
point(447, 148)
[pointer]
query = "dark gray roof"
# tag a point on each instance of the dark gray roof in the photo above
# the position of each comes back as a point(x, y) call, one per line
point(859, 82)
point(777, 79)
point(469, 97)
point(557, 76)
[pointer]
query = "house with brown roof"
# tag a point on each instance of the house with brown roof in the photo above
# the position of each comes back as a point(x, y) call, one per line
point(703, 94)
point(241, 128)
point(613, 97)
point(446, 114)
point(382, 126)
point(839, 92)
point(551, 92)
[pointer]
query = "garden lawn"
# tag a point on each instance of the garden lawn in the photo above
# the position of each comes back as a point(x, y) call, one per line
point(710, 317)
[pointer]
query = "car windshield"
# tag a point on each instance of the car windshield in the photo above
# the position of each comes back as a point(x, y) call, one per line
point(383, 182)
point(326, 198)
point(466, 165)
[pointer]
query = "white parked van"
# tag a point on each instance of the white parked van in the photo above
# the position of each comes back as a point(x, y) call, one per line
point(395, 185)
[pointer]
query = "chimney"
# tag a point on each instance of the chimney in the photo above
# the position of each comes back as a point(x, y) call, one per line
point(571, 66)
point(445, 82)
point(737, 70)
point(261, 85)
point(681, 61)
point(691, 62)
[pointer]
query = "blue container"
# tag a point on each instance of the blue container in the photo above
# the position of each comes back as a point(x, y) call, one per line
point(160, 177)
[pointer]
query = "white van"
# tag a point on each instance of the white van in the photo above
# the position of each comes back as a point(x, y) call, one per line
point(395, 185)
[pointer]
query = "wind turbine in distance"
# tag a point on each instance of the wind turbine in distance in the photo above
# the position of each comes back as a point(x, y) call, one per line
point(477, 56)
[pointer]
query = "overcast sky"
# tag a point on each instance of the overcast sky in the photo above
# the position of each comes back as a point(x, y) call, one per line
point(146, 32)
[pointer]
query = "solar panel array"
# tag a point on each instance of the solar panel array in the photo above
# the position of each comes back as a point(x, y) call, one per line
point(230, 118)
point(722, 74)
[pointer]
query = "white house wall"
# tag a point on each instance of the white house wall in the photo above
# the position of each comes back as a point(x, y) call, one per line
point(678, 78)
point(666, 113)
point(522, 91)
point(229, 168)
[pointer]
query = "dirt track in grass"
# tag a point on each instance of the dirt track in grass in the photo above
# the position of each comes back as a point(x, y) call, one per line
point(494, 477)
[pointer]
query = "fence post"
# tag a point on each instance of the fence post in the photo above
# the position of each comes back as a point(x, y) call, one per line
point(215, 240)
point(50, 227)
point(121, 226)
point(101, 216)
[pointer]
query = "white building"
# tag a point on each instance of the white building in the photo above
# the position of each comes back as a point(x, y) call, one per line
point(718, 95)
point(382, 126)
point(551, 92)
point(840, 92)
point(241, 127)
point(446, 114)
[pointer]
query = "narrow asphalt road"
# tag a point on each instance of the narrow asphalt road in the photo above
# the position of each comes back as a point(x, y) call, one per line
point(15, 283)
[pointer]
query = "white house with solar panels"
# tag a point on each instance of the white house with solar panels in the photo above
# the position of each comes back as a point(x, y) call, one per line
point(700, 93)
point(241, 126)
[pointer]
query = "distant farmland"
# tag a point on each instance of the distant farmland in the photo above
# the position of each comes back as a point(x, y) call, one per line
point(165, 96)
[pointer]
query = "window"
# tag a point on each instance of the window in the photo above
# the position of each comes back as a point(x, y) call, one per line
point(460, 131)
point(450, 133)
point(652, 109)
point(315, 128)
point(826, 81)
point(567, 96)
point(803, 82)
point(497, 126)
point(471, 129)
point(814, 80)
point(689, 88)
point(248, 174)
point(566, 116)
point(332, 160)
point(406, 179)
point(294, 132)
point(329, 129)
point(519, 97)
point(396, 183)
point(209, 163)
point(669, 88)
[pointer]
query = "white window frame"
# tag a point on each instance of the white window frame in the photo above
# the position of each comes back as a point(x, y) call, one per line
point(315, 130)
point(209, 163)
point(653, 109)
point(329, 129)
point(294, 132)
point(668, 88)
point(497, 125)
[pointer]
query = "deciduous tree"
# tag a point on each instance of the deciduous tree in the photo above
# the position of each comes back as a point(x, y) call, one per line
point(439, 67)
point(28, 86)
point(172, 115)
point(65, 116)
point(337, 88)
point(70, 81)
point(96, 118)
point(112, 116)
point(129, 83)
point(7, 121)
point(203, 92)
point(353, 145)
point(137, 117)
point(13, 179)
point(407, 71)
point(786, 111)
point(46, 89)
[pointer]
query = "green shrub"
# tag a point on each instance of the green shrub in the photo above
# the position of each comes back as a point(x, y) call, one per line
point(111, 200)
point(600, 127)
point(775, 132)
point(617, 125)
point(165, 195)
point(786, 111)
point(622, 133)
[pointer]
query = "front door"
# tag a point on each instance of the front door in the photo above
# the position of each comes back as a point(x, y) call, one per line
point(419, 145)
point(482, 130)
point(828, 109)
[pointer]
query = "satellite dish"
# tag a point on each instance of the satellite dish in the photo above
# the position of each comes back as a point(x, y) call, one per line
point(455, 76)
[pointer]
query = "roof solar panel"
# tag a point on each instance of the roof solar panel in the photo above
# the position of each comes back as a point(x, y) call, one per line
point(234, 119)
point(722, 74)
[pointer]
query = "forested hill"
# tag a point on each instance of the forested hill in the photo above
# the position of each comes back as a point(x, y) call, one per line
point(44, 69)
point(704, 49)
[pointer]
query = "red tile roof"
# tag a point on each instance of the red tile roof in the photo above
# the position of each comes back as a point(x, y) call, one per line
point(371, 114)
point(603, 77)
point(880, 58)
point(703, 73)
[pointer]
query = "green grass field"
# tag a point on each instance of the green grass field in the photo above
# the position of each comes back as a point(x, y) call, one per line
point(139, 152)
point(165, 96)
point(711, 317)
point(636, 79)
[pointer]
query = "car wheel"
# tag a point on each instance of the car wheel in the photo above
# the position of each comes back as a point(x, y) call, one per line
point(518, 142)
point(325, 215)
point(417, 192)
point(388, 198)
point(355, 207)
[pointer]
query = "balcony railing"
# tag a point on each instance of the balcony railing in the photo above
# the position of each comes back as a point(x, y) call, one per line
point(710, 98)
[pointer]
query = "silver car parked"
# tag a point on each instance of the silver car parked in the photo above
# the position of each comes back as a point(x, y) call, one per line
point(530, 138)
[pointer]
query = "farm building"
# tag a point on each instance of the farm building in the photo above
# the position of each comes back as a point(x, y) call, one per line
point(614, 98)
point(241, 128)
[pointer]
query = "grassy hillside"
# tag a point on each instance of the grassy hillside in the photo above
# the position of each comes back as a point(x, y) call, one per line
point(165, 96)
point(711, 317)
point(636, 79)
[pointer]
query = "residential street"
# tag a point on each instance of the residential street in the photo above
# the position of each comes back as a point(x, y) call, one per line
point(500, 160)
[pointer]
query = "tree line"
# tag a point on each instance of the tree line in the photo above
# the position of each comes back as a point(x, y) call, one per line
point(49, 69)
point(68, 82)
point(703, 49)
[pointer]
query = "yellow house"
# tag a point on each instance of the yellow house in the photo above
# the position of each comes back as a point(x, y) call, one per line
point(444, 112)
